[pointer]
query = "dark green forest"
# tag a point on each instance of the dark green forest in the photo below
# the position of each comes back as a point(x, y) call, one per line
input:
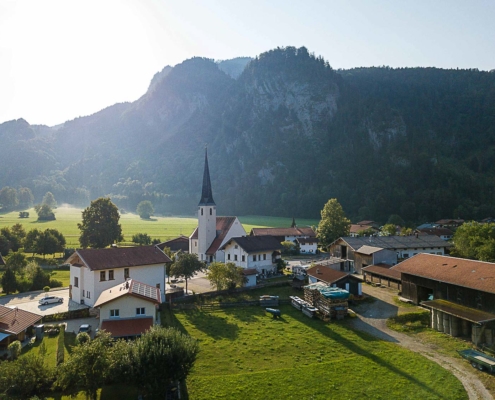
point(284, 135)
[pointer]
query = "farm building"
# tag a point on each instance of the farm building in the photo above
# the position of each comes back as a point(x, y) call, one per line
point(460, 293)
point(382, 274)
point(364, 251)
point(340, 279)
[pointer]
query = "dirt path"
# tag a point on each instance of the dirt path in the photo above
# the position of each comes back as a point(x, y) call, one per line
point(372, 318)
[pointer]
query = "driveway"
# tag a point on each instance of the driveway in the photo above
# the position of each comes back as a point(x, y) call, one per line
point(372, 318)
point(29, 302)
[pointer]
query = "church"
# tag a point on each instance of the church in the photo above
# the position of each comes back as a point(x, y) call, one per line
point(212, 232)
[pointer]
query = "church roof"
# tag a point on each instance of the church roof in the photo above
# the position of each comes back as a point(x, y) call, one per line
point(223, 226)
point(206, 192)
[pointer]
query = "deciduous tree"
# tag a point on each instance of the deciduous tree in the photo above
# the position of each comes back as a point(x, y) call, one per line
point(143, 239)
point(476, 241)
point(145, 209)
point(389, 230)
point(49, 200)
point(333, 223)
point(225, 275)
point(186, 265)
point(16, 261)
point(100, 224)
point(45, 213)
point(9, 281)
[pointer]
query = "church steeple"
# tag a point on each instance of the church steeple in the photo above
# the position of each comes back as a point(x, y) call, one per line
point(206, 193)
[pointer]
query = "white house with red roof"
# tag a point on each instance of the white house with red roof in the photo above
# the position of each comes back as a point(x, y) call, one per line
point(93, 271)
point(128, 309)
point(212, 232)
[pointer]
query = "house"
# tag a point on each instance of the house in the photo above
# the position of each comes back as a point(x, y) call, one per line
point(128, 309)
point(178, 244)
point(450, 223)
point(15, 324)
point(93, 271)
point(307, 245)
point(368, 223)
point(332, 277)
point(364, 251)
point(212, 232)
point(459, 292)
point(382, 274)
point(443, 233)
point(285, 234)
point(257, 252)
point(356, 229)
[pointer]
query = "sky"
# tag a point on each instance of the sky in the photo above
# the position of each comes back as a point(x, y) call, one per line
point(62, 59)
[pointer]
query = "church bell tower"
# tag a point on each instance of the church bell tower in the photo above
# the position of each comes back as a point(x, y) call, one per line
point(207, 215)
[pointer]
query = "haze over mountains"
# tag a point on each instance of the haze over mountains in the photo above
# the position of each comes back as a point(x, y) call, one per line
point(285, 133)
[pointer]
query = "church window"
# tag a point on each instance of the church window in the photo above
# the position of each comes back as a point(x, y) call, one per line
point(211, 211)
point(235, 257)
point(201, 211)
point(243, 258)
point(228, 256)
point(264, 256)
point(254, 257)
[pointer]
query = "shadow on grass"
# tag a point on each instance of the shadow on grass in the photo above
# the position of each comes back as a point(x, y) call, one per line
point(325, 330)
point(212, 325)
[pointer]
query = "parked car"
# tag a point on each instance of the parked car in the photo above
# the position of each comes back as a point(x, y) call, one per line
point(50, 299)
point(85, 328)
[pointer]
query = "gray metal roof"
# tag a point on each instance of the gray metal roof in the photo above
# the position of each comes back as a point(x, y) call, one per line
point(396, 242)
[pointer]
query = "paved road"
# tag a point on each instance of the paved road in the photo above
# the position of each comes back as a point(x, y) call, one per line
point(372, 318)
point(29, 302)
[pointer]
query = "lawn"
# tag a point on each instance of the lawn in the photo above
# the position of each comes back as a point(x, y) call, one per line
point(163, 228)
point(246, 354)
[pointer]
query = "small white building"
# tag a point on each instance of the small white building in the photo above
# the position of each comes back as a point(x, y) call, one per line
point(250, 275)
point(253, 252)
point(128, 309)
point(307, 245)
point(94, 270)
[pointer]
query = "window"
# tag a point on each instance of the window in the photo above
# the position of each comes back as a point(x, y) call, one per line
point(201, 211)
point(195, 244)
point(211, 210)
point(115, 313)
point(126, 273)
point(236, 247)
point(264, 256)
point(83, 292)
point(102, 275)
point(254, 257)
point(158, 286)
point(110, 275)
point(140, 311)
point(243, 258)
point(228, 256)
point(88, 295)
point(235, 257)
point(76, 281)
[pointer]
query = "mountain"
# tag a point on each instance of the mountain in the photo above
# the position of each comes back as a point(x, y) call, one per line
point(285, 133)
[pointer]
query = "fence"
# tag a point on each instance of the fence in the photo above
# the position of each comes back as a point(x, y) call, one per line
point(82, 313)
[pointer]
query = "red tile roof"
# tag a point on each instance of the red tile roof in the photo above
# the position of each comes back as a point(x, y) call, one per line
point(223, 227)
point(127, 327)
point(329, 275)
point(120, 257)
point(356, 228)
point(476, 275)
point(15, 320)
point(283, 232)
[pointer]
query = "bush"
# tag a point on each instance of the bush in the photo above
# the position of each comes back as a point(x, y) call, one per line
point(55, 284)
point(82, 338)
point(15, 349)
point(61, 345)
point(46, 289)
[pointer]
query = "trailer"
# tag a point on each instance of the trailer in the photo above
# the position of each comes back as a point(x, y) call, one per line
point(479, 360)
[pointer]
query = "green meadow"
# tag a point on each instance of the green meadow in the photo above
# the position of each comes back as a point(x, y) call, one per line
point(246, 354)
point(163, 228)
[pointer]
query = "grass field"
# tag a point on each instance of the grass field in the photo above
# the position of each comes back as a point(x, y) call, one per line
point(163, 228)
point(246, 354)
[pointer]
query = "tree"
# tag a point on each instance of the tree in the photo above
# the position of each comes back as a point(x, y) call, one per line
point(225, 275)
point(395, 220)
point(25, 197)
point(14, 235)
point(333, 223)
point(50, 241)
point(87, 367)
point(100, 224)
point(45, 213)
point(49, 200)
point(39, 278)
point(186, 265)
point(31, 240)
point(160, 358)
point(289, 248)
point(17, 262)
point(15, 349)
point(389, 230)
point(9, 281)
point(4, 245)
point(145, 209)
point(143, 239)
point(8, 198)
point(476, 241)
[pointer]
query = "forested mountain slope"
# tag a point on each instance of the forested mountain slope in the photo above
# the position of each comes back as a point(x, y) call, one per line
point(284, 136)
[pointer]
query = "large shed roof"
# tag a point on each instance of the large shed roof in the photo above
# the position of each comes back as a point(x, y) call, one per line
point(396, 242)
point(472, 274)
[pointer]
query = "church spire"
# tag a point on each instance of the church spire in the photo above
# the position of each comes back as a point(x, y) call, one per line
point(206, 193)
